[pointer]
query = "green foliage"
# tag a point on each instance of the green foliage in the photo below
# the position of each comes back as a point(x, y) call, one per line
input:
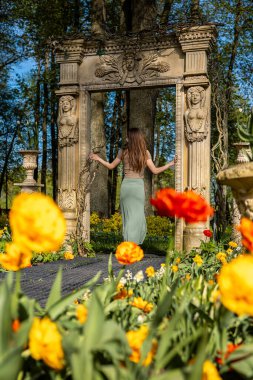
point(246, 133)
point(186, 322)
point(156, 225)
point(106, 233)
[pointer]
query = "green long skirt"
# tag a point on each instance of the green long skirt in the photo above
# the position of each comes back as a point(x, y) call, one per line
point(132, 201)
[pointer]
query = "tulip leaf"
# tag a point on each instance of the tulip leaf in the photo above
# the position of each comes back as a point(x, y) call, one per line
point(10, 364)
point(244, 367)
point(241, 360)
point(176, 374)
point(55, 292)
point(199, 359)
point(113, 373)
point(57, 309)
point(95, 322)
point(5, 318)
point(110, 270)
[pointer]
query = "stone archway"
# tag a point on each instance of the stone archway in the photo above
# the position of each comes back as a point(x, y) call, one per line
point(178, 59)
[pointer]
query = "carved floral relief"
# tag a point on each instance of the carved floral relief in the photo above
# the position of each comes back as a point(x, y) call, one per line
point(196, 121)
point(131, 67)
point(66, 199)
point(67, 121)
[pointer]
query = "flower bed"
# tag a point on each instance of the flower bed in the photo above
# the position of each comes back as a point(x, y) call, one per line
point(191, 319)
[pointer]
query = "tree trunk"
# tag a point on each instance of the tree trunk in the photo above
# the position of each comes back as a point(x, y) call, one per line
point(8, 153)
point(157, 151)
point(116, 149)
point(37, 117)
point(222, 105)
point(141, 15)
point(54, 131)
point(111, 154)
point(77, 13)
point(142, 115)
point(44, 127)
point(98, 17)
point(99, 190)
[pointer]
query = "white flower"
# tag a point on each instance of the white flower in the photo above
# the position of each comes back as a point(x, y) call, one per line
point(160, 272)
point(129, 275)
point(141, 318)
point(108, 279)
point(86, 295)
point(123, 281)
point(240, 109)
point(139, 276)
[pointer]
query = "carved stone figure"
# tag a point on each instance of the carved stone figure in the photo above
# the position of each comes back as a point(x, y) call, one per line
point(196, 124)
point(131, 67)
point(68, 137)
point(67, 121)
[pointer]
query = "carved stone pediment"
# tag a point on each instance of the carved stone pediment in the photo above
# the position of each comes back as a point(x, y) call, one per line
point(131, 67)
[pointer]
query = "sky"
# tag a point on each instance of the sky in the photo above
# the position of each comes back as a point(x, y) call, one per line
point(21, 68)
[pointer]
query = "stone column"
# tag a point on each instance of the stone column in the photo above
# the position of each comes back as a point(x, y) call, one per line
point(181, 163)
point(84, 150)
point(69, 55)
point(196, 43)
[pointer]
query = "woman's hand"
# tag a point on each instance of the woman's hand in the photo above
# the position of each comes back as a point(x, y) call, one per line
point(94, 156)
point(172, 163)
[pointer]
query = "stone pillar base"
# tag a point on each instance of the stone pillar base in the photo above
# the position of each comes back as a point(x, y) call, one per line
point(193, 234)
point(71, 221)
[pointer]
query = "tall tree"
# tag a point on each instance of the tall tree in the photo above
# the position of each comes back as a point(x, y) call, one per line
point(141, 16)
point(223, 66)
point(99, 188)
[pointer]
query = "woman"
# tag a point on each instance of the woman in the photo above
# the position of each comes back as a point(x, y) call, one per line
point(135, 157)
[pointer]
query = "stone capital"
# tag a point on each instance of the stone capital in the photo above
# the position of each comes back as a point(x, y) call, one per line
point(67, 90)
point(197, 38)
point(70, 51)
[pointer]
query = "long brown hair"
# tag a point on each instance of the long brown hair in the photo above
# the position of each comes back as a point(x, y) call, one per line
point(136, 148)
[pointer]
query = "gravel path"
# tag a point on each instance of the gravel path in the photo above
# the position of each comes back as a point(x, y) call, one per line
point(37, 280)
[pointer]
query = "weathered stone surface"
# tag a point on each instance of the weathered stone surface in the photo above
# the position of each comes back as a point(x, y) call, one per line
point(177, 59)
point(240, 178)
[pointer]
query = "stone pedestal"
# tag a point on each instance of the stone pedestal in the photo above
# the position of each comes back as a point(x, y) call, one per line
point(193, 234)
point(240, 178)
point(29, 185)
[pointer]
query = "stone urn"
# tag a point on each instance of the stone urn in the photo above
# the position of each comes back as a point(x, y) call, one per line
point(240, 178)
point(29, 185)
point(244, 153)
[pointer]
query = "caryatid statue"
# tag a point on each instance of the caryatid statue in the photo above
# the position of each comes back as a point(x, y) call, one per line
point(68, 136)
point(196, 123)
point(67, 121)
point(196, 131)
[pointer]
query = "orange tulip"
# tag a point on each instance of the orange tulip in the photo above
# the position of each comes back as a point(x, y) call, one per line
point(188, 205)
point(246, 229)
point(128, 253)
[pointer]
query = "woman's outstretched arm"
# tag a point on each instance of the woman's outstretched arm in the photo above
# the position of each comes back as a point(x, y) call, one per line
point(160, 169)
point(108, 165)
